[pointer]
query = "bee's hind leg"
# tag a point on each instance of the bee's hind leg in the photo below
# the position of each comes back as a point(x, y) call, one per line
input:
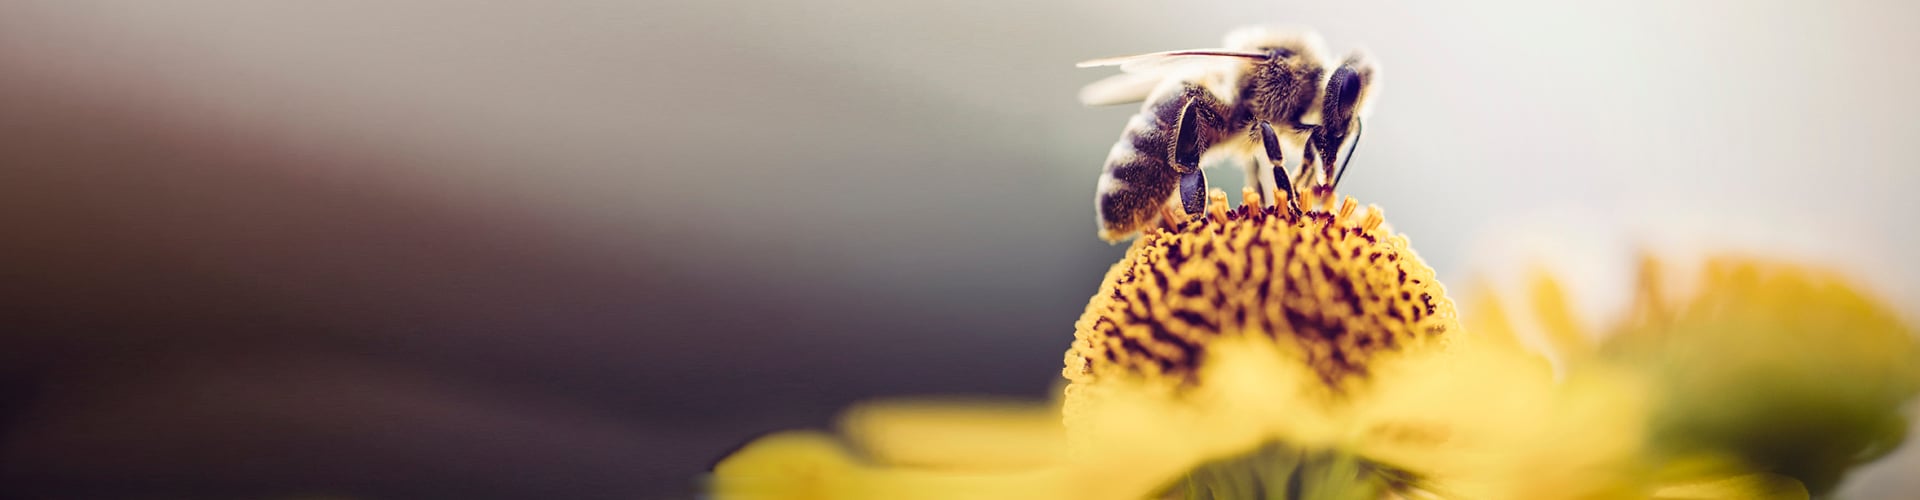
point(1196, 127)
point(1192, 133)
point(1193, 192)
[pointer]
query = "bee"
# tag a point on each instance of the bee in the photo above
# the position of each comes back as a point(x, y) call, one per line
point(1266, 97)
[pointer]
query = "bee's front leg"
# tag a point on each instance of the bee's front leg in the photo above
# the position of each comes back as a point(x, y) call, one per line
point(1254, 179)
point(1316, 175)
point(1271, 141)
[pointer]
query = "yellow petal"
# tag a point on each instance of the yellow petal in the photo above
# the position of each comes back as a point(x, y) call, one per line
point(1740, 487)
point(1487, 421)
point(1485, 318)
point(957, 434)
point(787, 465)
point(1558, 321)
point(812, 466)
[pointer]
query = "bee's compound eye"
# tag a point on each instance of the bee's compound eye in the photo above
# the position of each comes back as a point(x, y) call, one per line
point(1347, 83)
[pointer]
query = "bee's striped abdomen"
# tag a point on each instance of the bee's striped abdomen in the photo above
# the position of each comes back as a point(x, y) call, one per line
point(1139, 176)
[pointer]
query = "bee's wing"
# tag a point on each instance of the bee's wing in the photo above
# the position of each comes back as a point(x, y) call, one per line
point(1120, 89)
point(1143, 72)
point(1138, 62)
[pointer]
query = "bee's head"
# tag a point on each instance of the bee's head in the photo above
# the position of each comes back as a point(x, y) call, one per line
point(1348, 98)
point(1350, 90)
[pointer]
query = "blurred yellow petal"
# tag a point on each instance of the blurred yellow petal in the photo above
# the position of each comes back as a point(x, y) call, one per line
point(788, 465)
point(1740, 487)
point(1490, 321)
point(957, 434)
point(1485, 420)
point(1248, 405)
point(808, 466)
point(1558, 321)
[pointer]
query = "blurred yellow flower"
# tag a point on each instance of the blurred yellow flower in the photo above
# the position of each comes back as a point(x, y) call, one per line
point(1754, 366)
point(1256, 354)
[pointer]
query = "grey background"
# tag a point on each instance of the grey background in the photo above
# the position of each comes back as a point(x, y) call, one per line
point(440, 249)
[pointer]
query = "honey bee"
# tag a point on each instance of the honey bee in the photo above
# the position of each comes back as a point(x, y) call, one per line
point(1266, 97)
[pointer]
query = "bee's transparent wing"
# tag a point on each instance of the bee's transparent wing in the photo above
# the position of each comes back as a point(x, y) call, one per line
point(1138, 62)
point(1120, 89)
point(1141, 73)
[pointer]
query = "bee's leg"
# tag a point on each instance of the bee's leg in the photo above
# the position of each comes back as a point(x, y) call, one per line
point(1309, 168)
point(1187, 137)
point(1255, 180)
point(1193, 192)
point(1271, 142)
point(1314, 178)
point(1321, 174)
point(1359, 126)
point(1196, 126)
point(1199, 123)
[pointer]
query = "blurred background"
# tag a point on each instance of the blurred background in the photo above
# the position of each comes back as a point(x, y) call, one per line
point(457, 249)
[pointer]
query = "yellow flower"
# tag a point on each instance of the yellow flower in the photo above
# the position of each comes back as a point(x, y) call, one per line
point(1759, 367)
point(1257, 354)
point(1246, 329)
point(908, 450)
point(1335, 290)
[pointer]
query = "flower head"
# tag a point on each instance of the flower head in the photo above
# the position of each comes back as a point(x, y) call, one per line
point(1336, 290)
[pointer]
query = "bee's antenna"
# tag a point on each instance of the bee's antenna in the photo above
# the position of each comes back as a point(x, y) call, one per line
point(1359, 126)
